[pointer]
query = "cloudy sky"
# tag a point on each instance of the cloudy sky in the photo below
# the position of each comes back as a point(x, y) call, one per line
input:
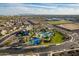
point(39, 8)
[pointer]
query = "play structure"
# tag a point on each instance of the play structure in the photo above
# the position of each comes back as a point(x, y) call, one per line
point(36, 37)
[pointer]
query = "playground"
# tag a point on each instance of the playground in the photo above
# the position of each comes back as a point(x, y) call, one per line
point(42, 37)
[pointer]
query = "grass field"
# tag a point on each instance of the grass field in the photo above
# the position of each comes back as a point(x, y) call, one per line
point(59, 22)
point(58, 38)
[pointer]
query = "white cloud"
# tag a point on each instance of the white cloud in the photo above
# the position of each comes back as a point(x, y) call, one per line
point(51, 9)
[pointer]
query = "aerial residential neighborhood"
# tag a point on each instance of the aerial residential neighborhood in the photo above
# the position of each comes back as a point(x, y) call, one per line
point(38, 32)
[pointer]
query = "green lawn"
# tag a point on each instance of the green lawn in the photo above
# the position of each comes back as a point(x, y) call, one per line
point(59, 22)
point(58, 38)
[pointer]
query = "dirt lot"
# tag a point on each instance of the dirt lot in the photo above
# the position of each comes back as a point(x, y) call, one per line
point(72, 26)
